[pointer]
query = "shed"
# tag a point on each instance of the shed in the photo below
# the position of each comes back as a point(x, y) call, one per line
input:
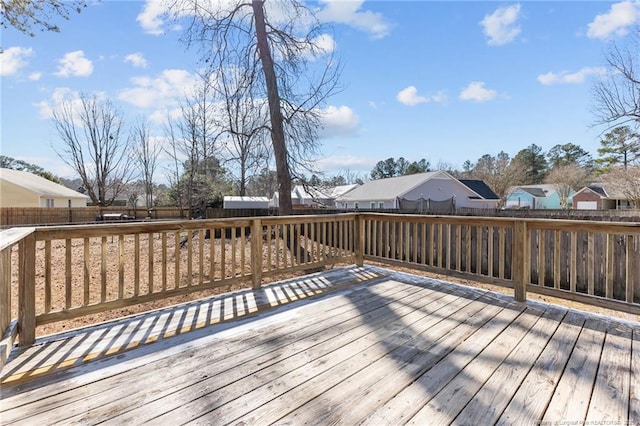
point(245, 202)
point(24, 189)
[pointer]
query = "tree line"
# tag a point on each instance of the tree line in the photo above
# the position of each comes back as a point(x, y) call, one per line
point(565, 166)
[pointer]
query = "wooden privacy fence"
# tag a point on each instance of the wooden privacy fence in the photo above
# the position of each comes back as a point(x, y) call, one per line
point(66, 272)
point(19, 216)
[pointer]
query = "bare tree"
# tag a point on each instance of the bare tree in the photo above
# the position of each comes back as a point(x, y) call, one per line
point(146, 155)
point(94, 145)
point(617, 96)
point(244, 121)
point(499, 173)
point(172, 150)
point(194, 147)
point(625, 182)
point(567, 178)
point(23, 15)
point(281, 48)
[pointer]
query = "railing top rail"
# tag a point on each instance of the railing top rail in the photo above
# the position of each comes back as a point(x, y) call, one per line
point(9, 237)
point(127, 228)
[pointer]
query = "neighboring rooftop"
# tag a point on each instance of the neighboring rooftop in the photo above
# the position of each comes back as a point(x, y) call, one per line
point(38, 184)
point(480, 187)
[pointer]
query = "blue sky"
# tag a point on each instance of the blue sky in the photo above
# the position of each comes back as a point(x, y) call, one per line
point(447, 81)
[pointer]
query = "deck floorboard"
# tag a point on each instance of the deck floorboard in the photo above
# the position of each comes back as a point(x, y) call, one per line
point(346, 346)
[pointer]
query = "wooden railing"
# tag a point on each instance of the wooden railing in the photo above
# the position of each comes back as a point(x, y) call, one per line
point(592, 262)
point(71, 271)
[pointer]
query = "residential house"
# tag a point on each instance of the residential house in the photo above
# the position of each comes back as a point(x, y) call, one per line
point(23, 189)
point(543, 196)
point(598, 196)
point(426, 188)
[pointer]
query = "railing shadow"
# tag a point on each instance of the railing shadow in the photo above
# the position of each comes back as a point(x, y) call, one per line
point(58, 353)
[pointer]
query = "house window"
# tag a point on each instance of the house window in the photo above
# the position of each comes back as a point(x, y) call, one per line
point(49, 203)
point(381, 205)
point(355, 205)
point(373, 204)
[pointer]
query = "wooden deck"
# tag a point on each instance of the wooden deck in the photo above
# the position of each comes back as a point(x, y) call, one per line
point(348, 346)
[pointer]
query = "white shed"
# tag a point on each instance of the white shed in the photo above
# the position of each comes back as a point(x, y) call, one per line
point(238, 202)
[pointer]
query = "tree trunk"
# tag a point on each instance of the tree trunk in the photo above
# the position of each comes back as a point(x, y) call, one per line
point(275, 113)
point(277, 128)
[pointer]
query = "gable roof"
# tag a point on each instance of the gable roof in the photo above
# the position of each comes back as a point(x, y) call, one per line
point(605, 191)
point(38, 185)
point(389, 188)
point(541, 190)
point(480, 187)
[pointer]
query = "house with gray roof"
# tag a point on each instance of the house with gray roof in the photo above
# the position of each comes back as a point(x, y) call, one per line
point(23, 189)
point(542, 196)
point(430, 187)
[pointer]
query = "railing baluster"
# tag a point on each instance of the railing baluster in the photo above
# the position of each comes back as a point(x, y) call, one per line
point(573, 259)
point(150, 264)
point(121, 265)
point(611, 242)
point(87, 271)
point(176, 267)
point(136, 264)
point(630, 269)
point(591, 270)
point(201, 256)
point(557, 273)
point(223, 253)
point(47, 276)
point(68, 275)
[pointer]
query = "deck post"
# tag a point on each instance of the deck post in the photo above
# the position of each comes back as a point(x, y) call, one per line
point(27, 290)
point(360, 240)
point(520, 264)
point(256, 253)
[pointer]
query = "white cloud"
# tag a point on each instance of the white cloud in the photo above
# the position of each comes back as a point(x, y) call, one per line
point(325, 43)
point(58, 96)
point(476, 92)
point(409, 96)
point(350, 13)
point(35, 76)
point(136, 59)
point(165, 90)
point(501, 27)
point(74, 64)
point(13, 59)
point(151, 18)
point(338, 121)
point(616, 21)
point(565, 77)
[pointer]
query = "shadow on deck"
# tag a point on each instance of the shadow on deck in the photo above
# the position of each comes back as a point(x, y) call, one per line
point(346, 346)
